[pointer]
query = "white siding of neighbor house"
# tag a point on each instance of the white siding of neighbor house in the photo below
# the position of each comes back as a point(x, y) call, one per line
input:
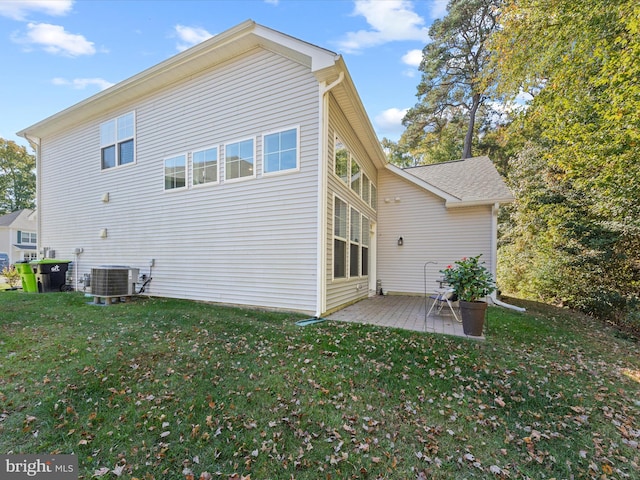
point(347, 290)
point(250, 242)
point(430, 233)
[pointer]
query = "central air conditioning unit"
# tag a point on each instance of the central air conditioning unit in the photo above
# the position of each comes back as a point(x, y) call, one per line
point(113, 281)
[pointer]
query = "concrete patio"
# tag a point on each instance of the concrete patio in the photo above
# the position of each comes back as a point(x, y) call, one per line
point(401, 312)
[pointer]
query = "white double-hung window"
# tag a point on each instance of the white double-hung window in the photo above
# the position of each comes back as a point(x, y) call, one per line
point(117, 141)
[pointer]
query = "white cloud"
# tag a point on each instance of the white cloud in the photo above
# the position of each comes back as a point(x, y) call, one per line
point(412, 58)
point(272, 2)
point(82, 83)
point(54, 39)
point(389, 122)
point(190, 36)
point(19, 9)
point(390, 20)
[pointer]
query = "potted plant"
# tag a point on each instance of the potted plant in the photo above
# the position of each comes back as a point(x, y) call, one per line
point(471, 282)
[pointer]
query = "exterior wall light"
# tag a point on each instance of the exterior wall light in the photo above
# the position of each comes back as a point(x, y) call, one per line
point(400, 241)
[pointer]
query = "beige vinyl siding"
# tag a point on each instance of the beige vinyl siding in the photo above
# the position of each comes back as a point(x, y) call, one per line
point(430, 233)
point(345, 290)
point(250, 242)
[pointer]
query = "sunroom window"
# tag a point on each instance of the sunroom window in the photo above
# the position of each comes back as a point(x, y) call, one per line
point(339, 238)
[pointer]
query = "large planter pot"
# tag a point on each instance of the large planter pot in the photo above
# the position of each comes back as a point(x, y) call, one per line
point(472, 314)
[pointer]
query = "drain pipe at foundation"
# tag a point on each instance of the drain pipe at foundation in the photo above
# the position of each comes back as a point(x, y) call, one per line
point(500, 303)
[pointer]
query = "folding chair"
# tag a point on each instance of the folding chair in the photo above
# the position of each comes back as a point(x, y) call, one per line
point(442, 298)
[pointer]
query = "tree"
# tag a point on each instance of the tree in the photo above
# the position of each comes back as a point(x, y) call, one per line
point(581, 61)
point(17, 177)
point(455, 77)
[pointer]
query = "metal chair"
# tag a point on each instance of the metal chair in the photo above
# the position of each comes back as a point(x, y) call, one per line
point(440, 299)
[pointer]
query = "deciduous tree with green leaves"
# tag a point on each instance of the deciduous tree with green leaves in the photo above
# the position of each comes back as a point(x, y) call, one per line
point(580, 59)
point(17, 177)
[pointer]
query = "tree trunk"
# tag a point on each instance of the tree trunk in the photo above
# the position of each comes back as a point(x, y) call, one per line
point(468, 139)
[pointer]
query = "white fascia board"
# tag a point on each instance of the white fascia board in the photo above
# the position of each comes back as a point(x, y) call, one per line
point(479, 202)
point(447, 197)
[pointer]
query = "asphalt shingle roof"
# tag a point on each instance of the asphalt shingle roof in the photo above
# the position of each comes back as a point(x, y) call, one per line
point(470, 180)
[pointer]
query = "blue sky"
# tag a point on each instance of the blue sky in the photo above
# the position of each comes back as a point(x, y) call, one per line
point(55, 53)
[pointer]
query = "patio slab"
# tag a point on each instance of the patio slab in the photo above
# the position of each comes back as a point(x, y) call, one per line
point(399, 311)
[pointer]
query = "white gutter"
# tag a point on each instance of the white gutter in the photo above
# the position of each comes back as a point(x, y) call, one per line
point(494, 258)
point(35, 144)
point(321, 270)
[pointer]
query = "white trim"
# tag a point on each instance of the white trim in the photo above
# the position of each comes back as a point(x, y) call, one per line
point(117, 141)
point(288, 170)
point(421, 183)
point(186, 172)
point(191, 163)
point(255, 162)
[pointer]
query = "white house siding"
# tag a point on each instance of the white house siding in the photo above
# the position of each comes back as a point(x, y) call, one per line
point(343, 291)
point(249, 242)
point(430, 233)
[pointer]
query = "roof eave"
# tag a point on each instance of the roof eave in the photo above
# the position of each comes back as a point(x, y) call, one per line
point(478, 202)
point(447, 197)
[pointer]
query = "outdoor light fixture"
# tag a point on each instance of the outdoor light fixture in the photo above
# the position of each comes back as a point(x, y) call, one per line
point(400, 242)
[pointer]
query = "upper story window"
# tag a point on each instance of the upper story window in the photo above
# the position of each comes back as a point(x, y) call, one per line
point(205, 166)
point(356, 180)
point(117, 141)
point(175, 172)
point(239, 160)
point(27, 237)
point(341, 161)
point(280, 151)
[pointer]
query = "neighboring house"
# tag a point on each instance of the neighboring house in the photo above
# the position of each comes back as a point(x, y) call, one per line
point(18, 235)
point(245, 171)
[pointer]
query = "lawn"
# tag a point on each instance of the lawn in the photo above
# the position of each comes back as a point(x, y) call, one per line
point(171, 389)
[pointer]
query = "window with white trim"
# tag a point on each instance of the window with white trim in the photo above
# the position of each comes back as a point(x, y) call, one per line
point(175, 172)
point(341, 160)
point(280, 151)
point(339, 238)
point(117, 141)
point(366, 189)
point(204, 166)
point(373, 201)
point(27, 237)
point(354, 243)
point(356, 174)
point(366, 226)
point(239, 160)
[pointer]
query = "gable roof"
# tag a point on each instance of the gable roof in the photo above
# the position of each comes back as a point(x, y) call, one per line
point(8, 219)
point(326, 65)
point(461, 183)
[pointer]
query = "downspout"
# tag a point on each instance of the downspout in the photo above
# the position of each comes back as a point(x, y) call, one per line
point(494, 258)
point(321, 273)
point(35, 144)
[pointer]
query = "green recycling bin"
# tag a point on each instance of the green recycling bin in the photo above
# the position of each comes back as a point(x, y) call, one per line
point(27, 277)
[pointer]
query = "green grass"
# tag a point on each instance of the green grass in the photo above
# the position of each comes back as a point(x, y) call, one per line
point(159, 388)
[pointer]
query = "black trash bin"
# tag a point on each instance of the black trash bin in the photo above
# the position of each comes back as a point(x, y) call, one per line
point(51, 274)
